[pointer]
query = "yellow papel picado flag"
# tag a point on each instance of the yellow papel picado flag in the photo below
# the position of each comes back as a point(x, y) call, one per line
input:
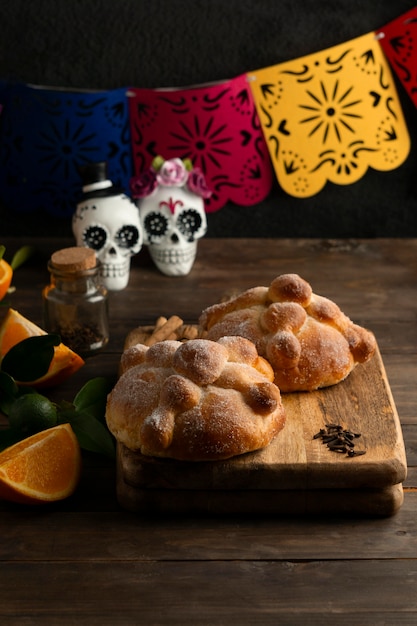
point(331, 115)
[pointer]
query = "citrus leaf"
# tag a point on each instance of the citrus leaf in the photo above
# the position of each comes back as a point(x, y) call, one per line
point(92, 398)
point(9, 391)
point(64, 406)
point(8, 385)
point(2, 251)
point(30, 359)
point(21, 256)
point(92, 435)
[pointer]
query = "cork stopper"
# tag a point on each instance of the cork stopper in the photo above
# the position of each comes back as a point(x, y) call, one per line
point(75, 259)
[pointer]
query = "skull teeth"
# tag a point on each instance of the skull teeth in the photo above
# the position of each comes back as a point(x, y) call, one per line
point(172, 256)
point(113, 271)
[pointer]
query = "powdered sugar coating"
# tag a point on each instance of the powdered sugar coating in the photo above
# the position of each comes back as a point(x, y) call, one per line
point(309, 342)
point(200, 361)
point(198, 400)
point(132, 356)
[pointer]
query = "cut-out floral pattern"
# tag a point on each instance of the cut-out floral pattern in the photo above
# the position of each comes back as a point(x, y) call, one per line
point(46, 134)
point(216, 126)
point(399, 42)
point(330, 116)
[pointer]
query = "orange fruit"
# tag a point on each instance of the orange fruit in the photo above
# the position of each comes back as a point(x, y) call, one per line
point(45, 467)
point(6, 275)
point(15, 327)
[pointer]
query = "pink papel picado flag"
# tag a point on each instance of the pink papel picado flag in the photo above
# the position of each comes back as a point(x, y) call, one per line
point(399, 42)
point(216, 126)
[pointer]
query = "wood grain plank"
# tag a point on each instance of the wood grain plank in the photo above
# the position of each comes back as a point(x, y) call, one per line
point(82, 542)
point(373, 281)
point(402, 375)
point(295, 473)
point(410, 436)
point(77, 537)
point(215, 593)
point(410, 483)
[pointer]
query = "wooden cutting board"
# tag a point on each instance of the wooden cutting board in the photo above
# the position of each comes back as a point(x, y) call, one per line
point(295, 473)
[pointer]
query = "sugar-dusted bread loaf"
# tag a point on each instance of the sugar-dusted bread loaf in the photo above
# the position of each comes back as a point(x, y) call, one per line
point(196, 401)
point(305, 337)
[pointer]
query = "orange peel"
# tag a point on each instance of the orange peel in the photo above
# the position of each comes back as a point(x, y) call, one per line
point(65, 362)
point(45, 467)
point(6, 275)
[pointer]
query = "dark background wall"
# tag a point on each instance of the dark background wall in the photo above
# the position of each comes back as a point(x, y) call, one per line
point(105, 44)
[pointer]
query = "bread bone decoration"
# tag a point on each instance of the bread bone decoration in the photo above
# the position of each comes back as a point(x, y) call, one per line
point(195, 401)
point(306, 338)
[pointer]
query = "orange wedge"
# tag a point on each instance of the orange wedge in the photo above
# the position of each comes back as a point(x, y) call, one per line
point(6, 275)
point(45, 467)
point(15, 327)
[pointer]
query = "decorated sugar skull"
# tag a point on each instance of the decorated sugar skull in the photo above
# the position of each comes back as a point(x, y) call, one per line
point(170, 197)
point(107, 221)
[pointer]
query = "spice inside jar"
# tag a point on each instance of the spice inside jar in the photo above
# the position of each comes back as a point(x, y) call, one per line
point(75, 302)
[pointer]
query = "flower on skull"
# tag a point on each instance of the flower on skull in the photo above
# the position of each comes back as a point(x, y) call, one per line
point(171, 173)
point(170, 197)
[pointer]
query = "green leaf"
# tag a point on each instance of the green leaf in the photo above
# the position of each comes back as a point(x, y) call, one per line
point(8, 385)
point(64, 406)
point(9, 391)
point(66, 415)
point(30, 359)
point(92, 435)
point(92, 398)
point(21, 256)
point(2, 251)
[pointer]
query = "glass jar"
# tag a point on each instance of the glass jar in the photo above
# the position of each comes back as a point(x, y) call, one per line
point(75, 302)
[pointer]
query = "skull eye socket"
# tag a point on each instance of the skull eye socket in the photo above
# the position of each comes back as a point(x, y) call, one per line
point(156, 225)
point(95, 237)
point(189, 222)
point(127, 237)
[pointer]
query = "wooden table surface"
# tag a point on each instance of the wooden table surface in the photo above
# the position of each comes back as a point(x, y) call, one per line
point(87, 561)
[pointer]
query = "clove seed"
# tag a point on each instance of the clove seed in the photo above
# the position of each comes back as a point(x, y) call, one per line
point(339, 440)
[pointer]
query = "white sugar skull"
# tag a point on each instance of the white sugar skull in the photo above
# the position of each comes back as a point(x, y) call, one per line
point(173, 220)
point(111, 226)
point(170, 199)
